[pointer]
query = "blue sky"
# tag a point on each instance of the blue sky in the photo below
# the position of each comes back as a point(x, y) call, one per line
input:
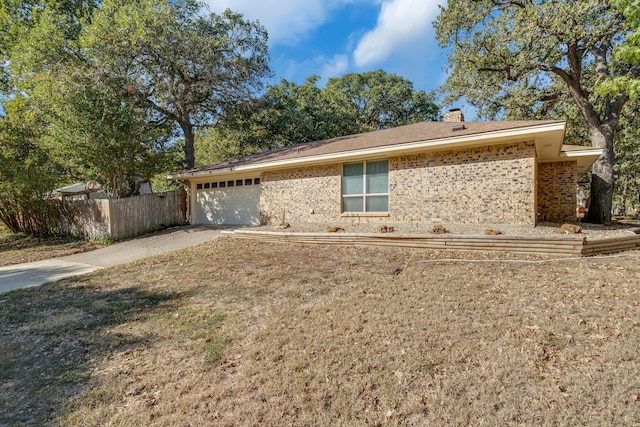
point(334, 37)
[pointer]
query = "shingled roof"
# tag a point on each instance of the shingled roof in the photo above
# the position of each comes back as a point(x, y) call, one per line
point(423, 132)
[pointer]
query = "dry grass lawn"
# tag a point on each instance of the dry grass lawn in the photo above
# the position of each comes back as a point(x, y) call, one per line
point(247, 333)
point(19, 248)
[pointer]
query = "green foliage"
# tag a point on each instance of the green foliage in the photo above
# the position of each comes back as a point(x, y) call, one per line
point(27, 172)
point(86, 125)
point(170, 160)
point(292, 114)
point(37, 33)
point(96, 134)
point(33, 36)
point(627, 51)
point(289, 113)
point(183, 65)
point(521, 58)
point(627, 168)
point(218, 144)
point(378, 100)
point(532, 59)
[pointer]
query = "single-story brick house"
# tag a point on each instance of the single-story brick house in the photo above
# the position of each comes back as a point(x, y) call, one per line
point(508, 172)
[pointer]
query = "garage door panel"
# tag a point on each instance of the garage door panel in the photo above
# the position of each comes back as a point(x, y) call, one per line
point(228, 206)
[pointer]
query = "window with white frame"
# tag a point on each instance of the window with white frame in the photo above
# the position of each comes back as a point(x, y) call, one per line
point(365, 186)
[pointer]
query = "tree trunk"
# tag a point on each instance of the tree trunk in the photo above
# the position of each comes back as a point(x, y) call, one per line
point(10, 221)
point(602, 178)
point(189, 151)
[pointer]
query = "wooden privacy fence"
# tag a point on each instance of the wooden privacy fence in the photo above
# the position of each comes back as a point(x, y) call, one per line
point(122, 218)
point(573, 245)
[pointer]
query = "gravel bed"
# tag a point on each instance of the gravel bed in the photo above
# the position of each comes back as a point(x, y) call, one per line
point(590, 231)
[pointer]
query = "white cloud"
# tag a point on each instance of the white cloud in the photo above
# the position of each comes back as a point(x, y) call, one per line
point(334, 66)
point(401, 42)
point(286, 21)
point(400, 23)
point(325, 67)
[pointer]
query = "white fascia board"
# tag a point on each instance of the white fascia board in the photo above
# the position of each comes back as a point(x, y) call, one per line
point(584, 158)
point(592, 152)
point(531, 132)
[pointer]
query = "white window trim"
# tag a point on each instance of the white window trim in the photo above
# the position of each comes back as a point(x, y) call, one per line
point(364, 196)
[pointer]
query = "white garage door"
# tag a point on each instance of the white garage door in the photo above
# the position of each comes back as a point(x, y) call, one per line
point(228, 203)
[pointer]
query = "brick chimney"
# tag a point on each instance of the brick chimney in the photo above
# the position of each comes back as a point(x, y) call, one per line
point(453, 115)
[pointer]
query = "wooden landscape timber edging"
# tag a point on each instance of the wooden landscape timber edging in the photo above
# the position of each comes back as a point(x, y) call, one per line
point(572, 245)
point(604, 246)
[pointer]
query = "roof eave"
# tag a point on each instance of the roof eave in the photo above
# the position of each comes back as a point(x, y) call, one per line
point(584, 158)
point(553, 132)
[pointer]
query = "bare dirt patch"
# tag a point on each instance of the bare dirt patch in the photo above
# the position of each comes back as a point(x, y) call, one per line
point(18, 248)
point(246, 333)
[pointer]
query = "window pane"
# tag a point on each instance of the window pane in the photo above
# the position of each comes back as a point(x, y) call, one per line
point(378, 176)
point(352, 178)
point(377, 203)
point(352, 204)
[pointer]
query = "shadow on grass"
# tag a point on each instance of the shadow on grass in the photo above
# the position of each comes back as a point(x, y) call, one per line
point(50, 335)
point(21, 241)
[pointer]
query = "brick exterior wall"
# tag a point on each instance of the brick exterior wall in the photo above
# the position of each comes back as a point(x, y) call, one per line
point(557, 191)
point(493, 185)
point(291, 195)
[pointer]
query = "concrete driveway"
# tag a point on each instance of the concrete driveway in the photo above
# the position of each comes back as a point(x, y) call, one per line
point(40, 272)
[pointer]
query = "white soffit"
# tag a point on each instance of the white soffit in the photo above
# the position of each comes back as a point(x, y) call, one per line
point(584, 158)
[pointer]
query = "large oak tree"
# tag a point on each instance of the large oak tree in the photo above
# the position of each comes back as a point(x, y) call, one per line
point(525, 58)
point(184, 64)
